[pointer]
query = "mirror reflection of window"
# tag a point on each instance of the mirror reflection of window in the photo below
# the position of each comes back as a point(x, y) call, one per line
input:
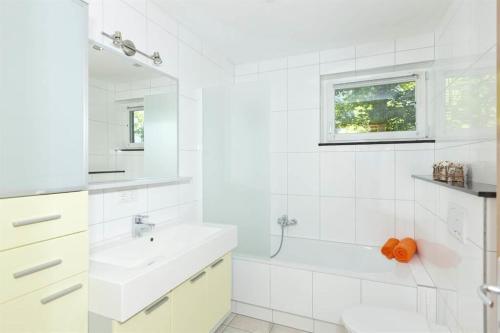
point(136, 125)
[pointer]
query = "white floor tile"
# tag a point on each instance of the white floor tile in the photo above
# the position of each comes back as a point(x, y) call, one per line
point(221, 329)
point(284, 329)
point(230, 329)
point(293, 321)
point(250, 324)
point(229, 319)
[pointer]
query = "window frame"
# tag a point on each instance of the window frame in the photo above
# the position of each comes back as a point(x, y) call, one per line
point(328, 85)
point(131, 134)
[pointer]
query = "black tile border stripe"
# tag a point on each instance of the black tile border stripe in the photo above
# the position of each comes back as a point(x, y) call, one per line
point(372, 142)
point(109, 171)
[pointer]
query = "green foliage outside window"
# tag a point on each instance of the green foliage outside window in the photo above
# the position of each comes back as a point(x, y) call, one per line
point(470, 101)
point(384, 107)
point(138, 134)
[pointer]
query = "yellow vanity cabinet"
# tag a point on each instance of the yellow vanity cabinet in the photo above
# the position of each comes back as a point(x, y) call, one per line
point(189, 313)
point(219, 289)
point(156, 318)
point(202, 301)
point(58, 308)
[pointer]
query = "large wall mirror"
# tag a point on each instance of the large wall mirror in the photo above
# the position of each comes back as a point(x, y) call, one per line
point(133, 117)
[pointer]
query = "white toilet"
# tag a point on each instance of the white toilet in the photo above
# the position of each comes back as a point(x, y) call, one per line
point(372, 319)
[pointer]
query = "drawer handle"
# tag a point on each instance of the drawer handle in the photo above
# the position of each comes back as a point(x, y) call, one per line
point(197, 277)
point(35, 220)
point(217, 263)
point(156, 305)
point(37, 268)
point(61, 293)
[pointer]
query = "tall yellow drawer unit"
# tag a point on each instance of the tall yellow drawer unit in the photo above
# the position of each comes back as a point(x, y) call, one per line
point(44, 263)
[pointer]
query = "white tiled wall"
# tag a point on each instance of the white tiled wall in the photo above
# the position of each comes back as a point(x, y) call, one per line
point(111, 212)
point(456, 265)
point(351, 194)
point(464, 94)
point(464, 102)
point(377, 179)
point(196, 65)
point(364, 194)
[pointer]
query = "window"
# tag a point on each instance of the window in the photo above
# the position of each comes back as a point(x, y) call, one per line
point(136, 125)
point(377, 107)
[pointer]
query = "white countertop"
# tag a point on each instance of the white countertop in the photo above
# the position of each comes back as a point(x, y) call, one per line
point(143, 271)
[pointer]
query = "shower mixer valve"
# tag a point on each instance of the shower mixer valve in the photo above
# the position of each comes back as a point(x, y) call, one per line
point(285, 222)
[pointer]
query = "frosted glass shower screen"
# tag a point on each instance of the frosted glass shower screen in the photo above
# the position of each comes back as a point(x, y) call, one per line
point(236, 162)
point(160, 132)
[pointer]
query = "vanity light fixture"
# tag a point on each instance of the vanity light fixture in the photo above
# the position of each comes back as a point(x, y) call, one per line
point(129, 49)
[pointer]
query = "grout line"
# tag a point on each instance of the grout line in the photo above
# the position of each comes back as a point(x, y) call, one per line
point(285, 233)
point(355, 197)
point(394, 208)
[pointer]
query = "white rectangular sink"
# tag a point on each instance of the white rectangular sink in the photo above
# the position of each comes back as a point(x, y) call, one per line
point(129, 274)
point(153, 247)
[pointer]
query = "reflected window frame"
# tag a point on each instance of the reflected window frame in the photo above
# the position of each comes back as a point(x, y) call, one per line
point(131, 124)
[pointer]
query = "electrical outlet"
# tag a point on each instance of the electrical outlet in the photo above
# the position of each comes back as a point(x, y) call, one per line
point(127, 196)
point(456, 221)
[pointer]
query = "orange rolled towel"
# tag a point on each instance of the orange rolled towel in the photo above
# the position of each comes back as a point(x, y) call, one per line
point(404, 251)
point(388, 248)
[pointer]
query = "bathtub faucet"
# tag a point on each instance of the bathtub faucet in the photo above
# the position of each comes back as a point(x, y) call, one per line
point(285, 222)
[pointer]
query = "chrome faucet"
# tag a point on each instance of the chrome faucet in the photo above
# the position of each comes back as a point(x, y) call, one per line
point(140, 226)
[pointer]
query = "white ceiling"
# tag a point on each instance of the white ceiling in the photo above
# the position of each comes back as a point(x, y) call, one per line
point(251, 30)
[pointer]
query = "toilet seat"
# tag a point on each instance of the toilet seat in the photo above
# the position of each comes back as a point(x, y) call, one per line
point(371, 319)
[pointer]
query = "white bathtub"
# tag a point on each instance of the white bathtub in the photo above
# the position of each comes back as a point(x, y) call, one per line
point(342, 259)
point(310, 283)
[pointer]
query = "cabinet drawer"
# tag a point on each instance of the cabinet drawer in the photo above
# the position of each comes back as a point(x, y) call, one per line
point(219, 290)
point(156, 318)
point(32, 219)
point(188, 302)
point(59, 308)
point(37, 265)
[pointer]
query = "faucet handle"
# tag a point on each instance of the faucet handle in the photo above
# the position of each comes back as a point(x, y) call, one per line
point(139, 219)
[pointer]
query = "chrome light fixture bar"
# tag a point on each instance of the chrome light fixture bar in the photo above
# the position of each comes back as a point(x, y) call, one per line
point(129, 49)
